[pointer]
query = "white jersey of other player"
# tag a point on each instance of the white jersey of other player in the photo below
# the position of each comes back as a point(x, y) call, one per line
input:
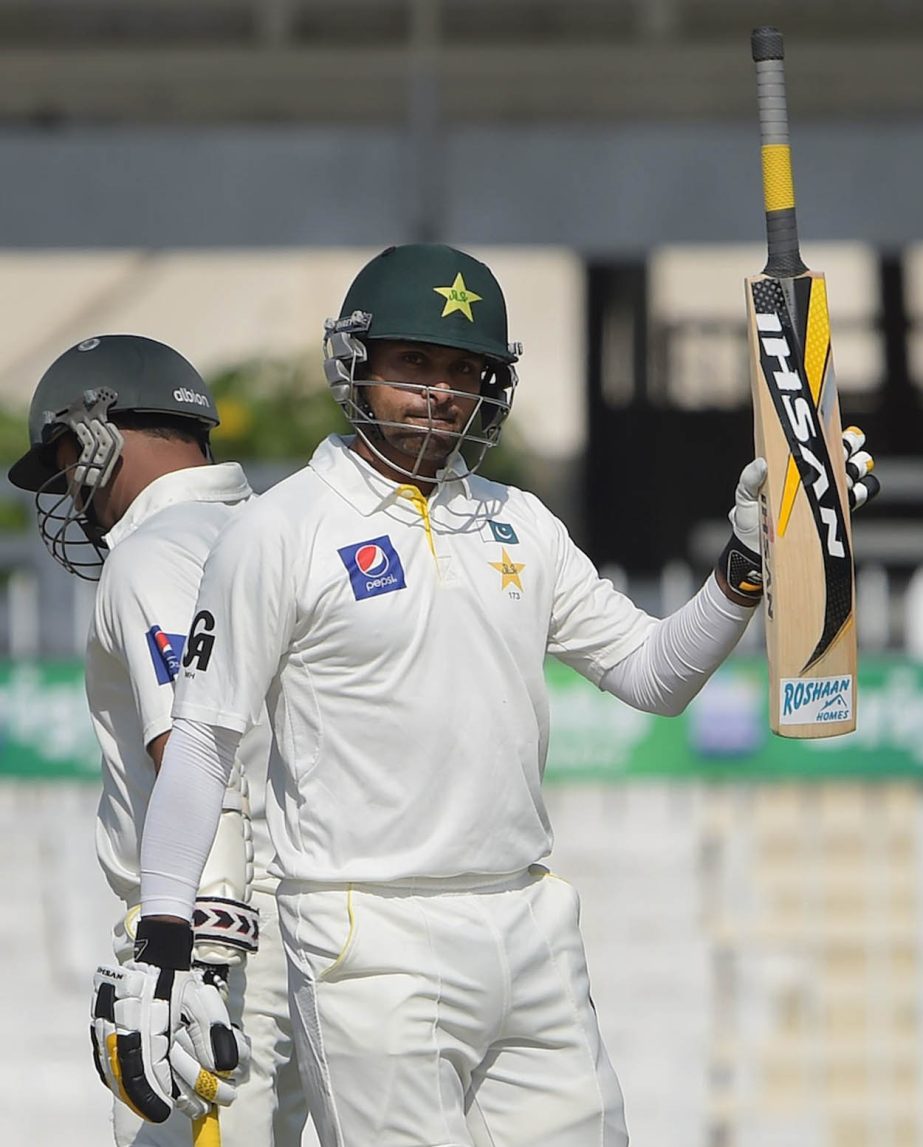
point(344, 654)
point(143, 608)
point(157, 552)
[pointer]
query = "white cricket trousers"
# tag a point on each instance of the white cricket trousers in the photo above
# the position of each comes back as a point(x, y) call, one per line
point(448, 1016)
point(270, 1109)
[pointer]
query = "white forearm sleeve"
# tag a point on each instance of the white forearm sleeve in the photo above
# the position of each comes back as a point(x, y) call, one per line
point(680, 653)
point(183, 815)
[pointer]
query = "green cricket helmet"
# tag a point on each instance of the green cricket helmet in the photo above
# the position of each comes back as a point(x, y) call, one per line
point(84, 392)
point(427, 293)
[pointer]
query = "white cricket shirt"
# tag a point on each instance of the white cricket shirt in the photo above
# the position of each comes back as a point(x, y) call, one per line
point(146, 597)
point(400, 645)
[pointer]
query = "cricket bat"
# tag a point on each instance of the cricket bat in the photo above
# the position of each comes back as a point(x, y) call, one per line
point(808, 575)
point(206, 1131)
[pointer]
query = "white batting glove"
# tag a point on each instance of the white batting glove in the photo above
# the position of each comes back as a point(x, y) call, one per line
point(739, 569)
point(745, 515)
point(161, 1035)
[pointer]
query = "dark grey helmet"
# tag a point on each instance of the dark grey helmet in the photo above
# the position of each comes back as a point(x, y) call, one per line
point(83, 392)
point(145, 376)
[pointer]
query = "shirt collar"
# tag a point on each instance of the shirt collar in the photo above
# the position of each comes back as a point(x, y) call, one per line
point(360, 483)
point(223, 482)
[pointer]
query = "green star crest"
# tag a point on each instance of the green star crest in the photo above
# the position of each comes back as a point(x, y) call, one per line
point(458, 298)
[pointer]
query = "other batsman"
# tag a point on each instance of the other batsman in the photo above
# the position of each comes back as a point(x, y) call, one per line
point(395, 609)
point(118, 458)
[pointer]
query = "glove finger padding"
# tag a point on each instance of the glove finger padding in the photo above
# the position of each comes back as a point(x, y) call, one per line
point(201, 1010)
point(863, 491)
point(160, 1038)
point(860, 481)
point(102, 1036)
point(198, 1088)
point(131, 1035)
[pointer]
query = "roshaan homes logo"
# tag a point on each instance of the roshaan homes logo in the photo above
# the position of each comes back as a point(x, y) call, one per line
point(815, 700)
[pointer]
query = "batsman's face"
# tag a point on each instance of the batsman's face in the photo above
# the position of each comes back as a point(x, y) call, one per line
point(424, 396)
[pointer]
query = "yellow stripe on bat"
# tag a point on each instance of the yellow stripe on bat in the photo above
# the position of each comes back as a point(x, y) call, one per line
point(816, 349)
point(789, 490)
point(817, 338)
point(778, 187)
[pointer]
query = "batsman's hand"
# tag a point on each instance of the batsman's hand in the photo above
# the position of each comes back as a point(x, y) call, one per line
point(740, 568)
point(161, 1035)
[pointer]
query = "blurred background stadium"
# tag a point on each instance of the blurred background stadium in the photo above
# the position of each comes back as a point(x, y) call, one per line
point(213, 173)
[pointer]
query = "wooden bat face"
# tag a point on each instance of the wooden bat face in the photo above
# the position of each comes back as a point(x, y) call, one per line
point(807, 549)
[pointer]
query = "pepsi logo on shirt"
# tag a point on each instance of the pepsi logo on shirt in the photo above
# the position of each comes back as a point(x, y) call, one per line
point(373, 567)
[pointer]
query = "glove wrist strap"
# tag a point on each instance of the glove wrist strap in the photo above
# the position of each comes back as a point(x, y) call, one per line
point(220, 920)
point(740, 572)
point(164, 943)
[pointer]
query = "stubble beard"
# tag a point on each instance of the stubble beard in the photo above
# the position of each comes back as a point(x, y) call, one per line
point(419, 444)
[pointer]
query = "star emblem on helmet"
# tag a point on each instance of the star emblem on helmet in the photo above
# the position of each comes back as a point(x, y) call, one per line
point(458, 298)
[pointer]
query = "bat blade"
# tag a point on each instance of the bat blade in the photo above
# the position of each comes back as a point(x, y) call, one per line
point(809, 598)
point(806, 541)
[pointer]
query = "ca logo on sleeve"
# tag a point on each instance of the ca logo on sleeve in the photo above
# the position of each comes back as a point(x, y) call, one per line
point(201, 641)
point(374, 567)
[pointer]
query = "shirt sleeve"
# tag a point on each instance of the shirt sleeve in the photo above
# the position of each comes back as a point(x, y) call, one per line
point(142, 612)
point(243, 622)
point(593, 626)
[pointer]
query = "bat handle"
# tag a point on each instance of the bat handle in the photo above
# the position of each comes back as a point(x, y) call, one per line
point(784, 258)
point(206, 1130)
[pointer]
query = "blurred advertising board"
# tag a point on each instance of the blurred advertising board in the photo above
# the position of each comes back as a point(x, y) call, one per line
point(724, 734)
point(45, 730)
